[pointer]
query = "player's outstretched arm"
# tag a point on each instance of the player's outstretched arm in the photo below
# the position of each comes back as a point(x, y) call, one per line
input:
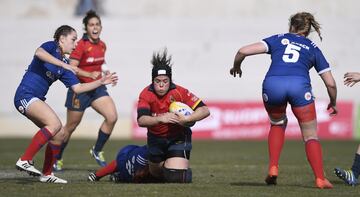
point(111, 78)
point(252, 49)
point(83, 73)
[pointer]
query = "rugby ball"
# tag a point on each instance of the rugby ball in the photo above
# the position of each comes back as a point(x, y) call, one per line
point(181, 108)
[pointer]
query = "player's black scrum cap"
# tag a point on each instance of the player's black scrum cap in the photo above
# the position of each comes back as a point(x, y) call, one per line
point(161, 70)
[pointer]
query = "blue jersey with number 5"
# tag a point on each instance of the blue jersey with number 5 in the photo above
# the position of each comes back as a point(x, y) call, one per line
point(294, 55)
point(288, 80)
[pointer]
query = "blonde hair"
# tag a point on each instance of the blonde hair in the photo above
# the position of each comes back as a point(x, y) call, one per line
point(301, 23)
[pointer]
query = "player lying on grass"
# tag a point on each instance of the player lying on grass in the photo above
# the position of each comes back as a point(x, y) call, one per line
point(130, 166)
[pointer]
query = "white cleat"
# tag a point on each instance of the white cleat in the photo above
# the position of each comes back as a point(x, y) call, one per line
point(92, 177)
point(27, 166)
point(51, 179)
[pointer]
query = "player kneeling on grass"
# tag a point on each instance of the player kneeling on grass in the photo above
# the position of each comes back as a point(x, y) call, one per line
point(130, 166)
point(169, 134)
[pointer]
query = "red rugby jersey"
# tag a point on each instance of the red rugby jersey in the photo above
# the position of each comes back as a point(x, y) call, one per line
point(148, 100)
point(90, 56)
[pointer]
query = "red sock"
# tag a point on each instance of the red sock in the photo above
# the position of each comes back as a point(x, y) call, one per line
point(275, 143)
point(314, 156)
point(39, 139)
point(108, 169)
point(51, 152)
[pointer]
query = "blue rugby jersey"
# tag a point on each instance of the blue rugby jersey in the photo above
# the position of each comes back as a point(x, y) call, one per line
point(294, 55)
point(130, 159)
point(40, 75)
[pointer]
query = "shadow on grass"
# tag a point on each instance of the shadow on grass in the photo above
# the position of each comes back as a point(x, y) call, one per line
point(259, 184)
point(77, 169)
point(20, 180)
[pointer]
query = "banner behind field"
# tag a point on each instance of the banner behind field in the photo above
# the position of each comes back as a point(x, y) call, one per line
point(249, 120)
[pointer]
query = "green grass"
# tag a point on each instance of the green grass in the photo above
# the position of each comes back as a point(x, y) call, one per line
point(220, 168)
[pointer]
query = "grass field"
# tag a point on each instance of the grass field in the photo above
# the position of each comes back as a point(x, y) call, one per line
point(220, 168)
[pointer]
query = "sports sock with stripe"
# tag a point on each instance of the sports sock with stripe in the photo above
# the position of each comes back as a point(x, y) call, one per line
point(110, 168)
point(37, 142)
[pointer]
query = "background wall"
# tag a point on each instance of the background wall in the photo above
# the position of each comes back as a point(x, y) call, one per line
point(202, 36)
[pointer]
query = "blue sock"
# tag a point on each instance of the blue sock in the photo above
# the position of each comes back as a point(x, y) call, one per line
point(101, 140)
point(356, 166)
point(62, 148)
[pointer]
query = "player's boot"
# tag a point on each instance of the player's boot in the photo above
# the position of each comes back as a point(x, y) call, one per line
point(98, 156)
point(114, 177)
point(92, 177)
point(347, 176)
point(272, 176)
point(58, 165)
point(323, 183)
point(51, 179)
point(27, 166)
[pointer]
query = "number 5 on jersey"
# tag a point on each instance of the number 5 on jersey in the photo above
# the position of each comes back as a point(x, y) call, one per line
point(291, 54)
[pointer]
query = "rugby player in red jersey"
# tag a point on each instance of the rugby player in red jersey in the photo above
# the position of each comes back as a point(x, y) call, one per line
point(169, 137)
point(88, 56)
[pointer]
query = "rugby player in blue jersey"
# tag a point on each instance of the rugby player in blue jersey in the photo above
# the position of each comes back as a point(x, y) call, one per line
point(288, 81)
point(48, 65)
point(130, 166)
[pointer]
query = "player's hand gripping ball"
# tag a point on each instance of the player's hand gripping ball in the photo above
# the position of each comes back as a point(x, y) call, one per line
point(183, 109)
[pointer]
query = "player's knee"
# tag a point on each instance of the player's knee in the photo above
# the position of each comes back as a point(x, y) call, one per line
point(312, 137)
point(177, 175)
point(279, 122)
point(70, 127)
point(111, 119)
point(55, 127)
point(59, 137)
point(306, 139)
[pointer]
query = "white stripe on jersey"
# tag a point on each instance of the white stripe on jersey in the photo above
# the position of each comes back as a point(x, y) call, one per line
point(266, 46)
point(26, 104)
point(23, 103)
point(323, 71)
point(141, 160)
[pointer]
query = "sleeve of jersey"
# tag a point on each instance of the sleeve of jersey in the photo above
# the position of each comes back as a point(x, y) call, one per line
point(320, 64)
point(78, 51)
point(143, 107)
point(268, 42)
point(69, 79)
point(49, 47)
point(190, 99)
